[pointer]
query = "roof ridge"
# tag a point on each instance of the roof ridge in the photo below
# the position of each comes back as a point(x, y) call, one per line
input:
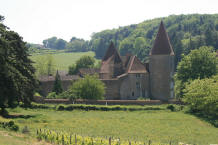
point(130, 64)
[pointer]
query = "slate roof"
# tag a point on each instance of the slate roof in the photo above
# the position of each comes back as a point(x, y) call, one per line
point(162, 43)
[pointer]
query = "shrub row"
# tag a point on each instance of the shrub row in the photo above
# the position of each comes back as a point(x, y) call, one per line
point(9, 125)
point(71, 107)
point(106, 108)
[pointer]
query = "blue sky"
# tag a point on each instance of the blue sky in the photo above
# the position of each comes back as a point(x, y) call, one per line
point(36, 20)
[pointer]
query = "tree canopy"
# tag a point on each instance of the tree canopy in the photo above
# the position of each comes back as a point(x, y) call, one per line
point(17, 81)
point(57, 87)
point(186, 32)
point(88, 88)
point(84, 62)
point(199, 63)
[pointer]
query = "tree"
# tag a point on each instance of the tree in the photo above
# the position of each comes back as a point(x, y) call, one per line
point(57, 87)
point(200, 63)
point(17, 81)
point(88, 88)
point(202, 96)
point(60, 44)
point(45, 65)
point(84, 62)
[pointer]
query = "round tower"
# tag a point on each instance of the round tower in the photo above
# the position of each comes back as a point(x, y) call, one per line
point(161, 67)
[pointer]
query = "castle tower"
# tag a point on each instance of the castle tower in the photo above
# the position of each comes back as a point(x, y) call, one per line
point(161, 66)
point(112, 65)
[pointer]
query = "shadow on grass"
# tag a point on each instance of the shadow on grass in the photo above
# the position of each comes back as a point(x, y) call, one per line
point(14, 116)
point(5, 114)
point(210, 119)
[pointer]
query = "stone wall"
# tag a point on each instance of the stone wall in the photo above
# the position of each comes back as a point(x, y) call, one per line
point(112, 89)
point(47, 86)
point(107, 102)
point(134, 86)
point(161, 69)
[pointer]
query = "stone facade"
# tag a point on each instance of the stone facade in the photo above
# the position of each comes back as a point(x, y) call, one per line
point(127, 78)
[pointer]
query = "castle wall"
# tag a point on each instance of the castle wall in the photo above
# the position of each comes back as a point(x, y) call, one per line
point(112, 89)
point(134, 86)
point(161, 76)
point(47, 86)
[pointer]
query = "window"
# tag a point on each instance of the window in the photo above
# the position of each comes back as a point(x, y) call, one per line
point(138, 85)
point(132, 93)
point(137, 75)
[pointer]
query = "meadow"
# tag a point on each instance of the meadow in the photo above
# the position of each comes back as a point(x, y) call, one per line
point(62, 60)
point(156, 125)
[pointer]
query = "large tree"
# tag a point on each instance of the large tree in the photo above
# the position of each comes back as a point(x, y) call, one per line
point(17, 81)
point(88, 88)
point(84, 62)
point(199, 63)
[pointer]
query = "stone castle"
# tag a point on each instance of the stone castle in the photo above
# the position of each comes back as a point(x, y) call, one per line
point(127, 78)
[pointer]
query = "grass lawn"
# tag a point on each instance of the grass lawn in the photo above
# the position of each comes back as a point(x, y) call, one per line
point(62, 59)
point(13, 138)
point(158, 126)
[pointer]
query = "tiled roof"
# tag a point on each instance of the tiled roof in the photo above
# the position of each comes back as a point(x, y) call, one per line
point(135, 66)
point(162, 43)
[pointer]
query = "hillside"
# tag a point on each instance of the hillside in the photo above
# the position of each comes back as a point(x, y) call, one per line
point(186, 32)
point(62, 60)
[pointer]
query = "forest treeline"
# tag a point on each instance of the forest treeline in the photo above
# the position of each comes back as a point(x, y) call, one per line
point(186, 32)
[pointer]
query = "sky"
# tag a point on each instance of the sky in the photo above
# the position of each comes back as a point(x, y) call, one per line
point(36, 20)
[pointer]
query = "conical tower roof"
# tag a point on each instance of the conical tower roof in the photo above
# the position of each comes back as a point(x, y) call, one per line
point(162, 43)
point(112, 51)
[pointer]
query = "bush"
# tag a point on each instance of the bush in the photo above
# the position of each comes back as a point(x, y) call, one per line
point(202, 97)
point(9, 125)
point(60, 108)
point(51, 95)
point(88, 88)
point(171, 107)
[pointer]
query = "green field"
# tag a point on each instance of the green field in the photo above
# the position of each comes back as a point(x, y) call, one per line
point(63, 59)
point(156, 125)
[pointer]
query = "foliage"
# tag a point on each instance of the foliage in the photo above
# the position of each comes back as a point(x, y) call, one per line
point(200, 63)
point(89, 88)
point(51, 95)
point(186, 32)
point(202, 97)
point(17, 80)
point(54, 43)
point(45, 65)
point(84, 62)
point(74, 45)
point(57, 87)
point(77, 45)
point(9, 125)
point(171, 107)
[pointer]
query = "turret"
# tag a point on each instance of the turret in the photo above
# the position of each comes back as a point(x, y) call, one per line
point(112, 65)
point(161, 66)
